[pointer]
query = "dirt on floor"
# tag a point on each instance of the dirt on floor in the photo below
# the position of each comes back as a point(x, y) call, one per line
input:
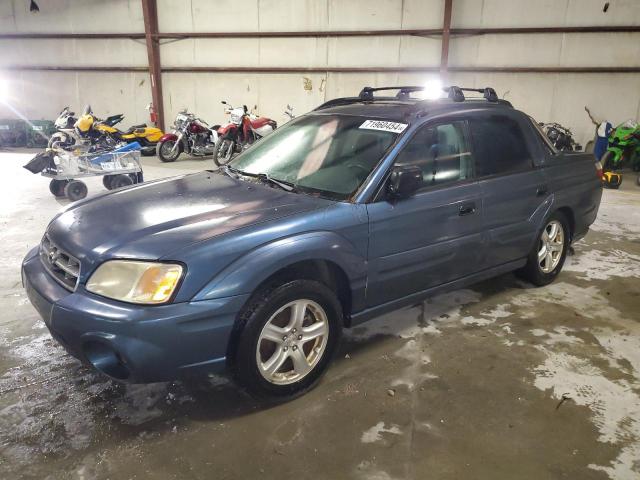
point(497, 381)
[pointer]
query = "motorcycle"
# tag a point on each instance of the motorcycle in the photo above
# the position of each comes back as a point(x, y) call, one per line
point(190, 134)
point(624, 148)
point(100, 132)
point(561, 137)
point(64, 137)
point(147, 137)
point(240, 133)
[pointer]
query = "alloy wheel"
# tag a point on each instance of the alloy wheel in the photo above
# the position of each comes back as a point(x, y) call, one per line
point(551, 246)
point(292, 342)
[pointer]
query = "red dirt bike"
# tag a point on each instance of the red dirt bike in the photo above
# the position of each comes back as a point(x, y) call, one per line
point(241, 132)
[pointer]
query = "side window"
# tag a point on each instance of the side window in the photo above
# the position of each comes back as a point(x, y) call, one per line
point(500, 145)
point(441, 151)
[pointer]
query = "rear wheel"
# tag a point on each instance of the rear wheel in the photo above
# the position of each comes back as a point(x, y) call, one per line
point(166, 152)
point(75, 190)
point(290, 334)
point(224, 151)
point(549, 252)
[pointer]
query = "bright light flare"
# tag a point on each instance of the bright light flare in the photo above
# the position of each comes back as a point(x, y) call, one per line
point(433, 90)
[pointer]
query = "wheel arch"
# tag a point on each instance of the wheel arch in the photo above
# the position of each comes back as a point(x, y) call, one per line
point(325, 271)
point(571, 219)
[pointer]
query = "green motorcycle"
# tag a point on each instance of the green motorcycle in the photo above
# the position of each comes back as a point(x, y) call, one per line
point(623, 150)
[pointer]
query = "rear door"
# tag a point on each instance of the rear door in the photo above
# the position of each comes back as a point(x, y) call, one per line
point(435, 236)
point(514, 190)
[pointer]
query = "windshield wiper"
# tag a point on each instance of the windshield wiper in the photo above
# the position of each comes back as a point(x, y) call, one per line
point(232, 172)
point(265, 177)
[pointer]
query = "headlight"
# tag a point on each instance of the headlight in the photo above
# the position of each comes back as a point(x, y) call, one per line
point(136, 282)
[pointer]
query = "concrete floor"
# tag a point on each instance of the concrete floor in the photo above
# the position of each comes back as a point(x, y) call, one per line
point(468, 385)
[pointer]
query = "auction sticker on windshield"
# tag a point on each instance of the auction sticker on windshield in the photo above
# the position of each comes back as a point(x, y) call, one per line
point(385, 126)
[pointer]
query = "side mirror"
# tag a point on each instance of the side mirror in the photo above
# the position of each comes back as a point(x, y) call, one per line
point(223, 102)
point(404, 181)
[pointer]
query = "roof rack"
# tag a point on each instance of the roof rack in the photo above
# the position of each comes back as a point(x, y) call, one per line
point(454, 93)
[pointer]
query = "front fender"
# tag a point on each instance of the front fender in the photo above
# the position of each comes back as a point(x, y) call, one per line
point(244, 275)
point(168, 137)
point(230, 129)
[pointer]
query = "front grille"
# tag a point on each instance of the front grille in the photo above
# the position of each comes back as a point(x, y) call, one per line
point(62, 266)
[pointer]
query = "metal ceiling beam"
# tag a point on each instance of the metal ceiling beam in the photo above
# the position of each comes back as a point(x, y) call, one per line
point(334, 33)
point(150, 14)
point(407, 69)
point(446, 31)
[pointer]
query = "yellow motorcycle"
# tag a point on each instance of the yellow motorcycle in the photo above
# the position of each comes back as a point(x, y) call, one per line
point(104, 131)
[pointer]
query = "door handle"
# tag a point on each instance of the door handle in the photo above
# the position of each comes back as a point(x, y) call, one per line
point(541, 190)
point(467, 209)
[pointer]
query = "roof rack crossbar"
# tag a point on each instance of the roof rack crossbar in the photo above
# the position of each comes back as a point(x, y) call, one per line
point(489, 93)
point(367, 92)
point(454, 93)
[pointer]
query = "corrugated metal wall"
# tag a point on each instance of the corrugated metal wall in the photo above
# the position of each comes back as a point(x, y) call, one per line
point(550, 96)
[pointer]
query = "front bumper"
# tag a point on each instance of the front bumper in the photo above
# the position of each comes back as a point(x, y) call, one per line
point(133, 343)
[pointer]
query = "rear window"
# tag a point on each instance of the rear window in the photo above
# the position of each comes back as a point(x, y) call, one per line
point(500, 145)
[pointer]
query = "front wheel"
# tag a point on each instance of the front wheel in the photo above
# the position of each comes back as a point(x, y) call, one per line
point(60, 140)
point(549, 252)
point(223, 151)
point(289, 337)
point(166, 151)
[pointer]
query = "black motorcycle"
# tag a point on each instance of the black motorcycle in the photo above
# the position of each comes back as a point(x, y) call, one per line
point(561, 137)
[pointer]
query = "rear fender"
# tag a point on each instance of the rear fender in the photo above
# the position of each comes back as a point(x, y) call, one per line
point(245, 274)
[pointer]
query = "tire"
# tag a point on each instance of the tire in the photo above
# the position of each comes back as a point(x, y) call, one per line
point(536, 272)
point(56, 187)
point(163, 150)
point(223, 152)
point(120, 181)
point(638, 180)
point(106, 181)
point(149, 151)
point(254, 351)
point(75, 190)
point(60, 140)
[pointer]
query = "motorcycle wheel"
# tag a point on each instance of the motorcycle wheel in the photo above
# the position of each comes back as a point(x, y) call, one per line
point(223, 152)
point(60, 140)
point(164, 151)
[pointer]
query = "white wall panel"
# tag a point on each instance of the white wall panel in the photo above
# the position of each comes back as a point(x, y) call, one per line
point(541, 13)
point(72, 16)
point(38, 95)
point(71, 52)
point(559, 97)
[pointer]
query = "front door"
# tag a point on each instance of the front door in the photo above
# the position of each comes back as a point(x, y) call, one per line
point(436, 235)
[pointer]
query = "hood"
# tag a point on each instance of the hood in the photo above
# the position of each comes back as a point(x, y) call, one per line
point(152, 220)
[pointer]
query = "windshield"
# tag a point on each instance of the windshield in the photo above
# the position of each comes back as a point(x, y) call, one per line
point(329, 154)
